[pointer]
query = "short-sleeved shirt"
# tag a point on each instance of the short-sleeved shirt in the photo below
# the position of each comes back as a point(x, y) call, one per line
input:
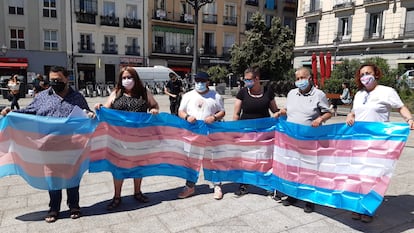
point(174, 87)
point(304, 108)
point(254, 107)
point(376, 105)
point(201, 106)
point(48, 103)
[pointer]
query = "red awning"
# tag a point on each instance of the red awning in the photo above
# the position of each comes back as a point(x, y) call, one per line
point(13, 65)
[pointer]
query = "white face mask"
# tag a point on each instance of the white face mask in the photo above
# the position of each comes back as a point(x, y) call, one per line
point(201, 86)
point(128, 83)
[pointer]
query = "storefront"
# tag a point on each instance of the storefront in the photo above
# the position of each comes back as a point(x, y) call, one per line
point(12, 66)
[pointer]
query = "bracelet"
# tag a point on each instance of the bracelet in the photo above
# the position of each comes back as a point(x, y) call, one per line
point(410, 119)
point(215, 118)
point(187, 116)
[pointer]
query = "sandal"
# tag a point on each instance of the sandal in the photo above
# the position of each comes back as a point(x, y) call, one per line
point(116, 201)
point(51, 216)
point(141, 197)
point(75, 213)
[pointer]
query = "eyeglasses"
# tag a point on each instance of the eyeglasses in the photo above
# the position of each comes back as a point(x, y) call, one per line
point(127, 77)
point(363, 74)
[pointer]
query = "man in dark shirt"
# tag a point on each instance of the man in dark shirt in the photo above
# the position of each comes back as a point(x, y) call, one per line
point(174, 88)
point(58, 100)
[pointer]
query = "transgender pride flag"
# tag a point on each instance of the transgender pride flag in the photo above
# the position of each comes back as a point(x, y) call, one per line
point(49, 153)
point(333, 165)
point(132, 145)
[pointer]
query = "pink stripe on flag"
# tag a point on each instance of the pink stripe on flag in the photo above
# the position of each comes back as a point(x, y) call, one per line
point(65, 171)
point(149, 133)
point(343, 148)
point(245, 139)
point(166, 157)
point(48, 142)
point(330, 180)
point(227, 164)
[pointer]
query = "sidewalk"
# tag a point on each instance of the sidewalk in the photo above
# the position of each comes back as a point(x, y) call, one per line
point(23, 208)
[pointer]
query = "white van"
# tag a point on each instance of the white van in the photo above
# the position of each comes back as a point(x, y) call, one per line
point(154, 74)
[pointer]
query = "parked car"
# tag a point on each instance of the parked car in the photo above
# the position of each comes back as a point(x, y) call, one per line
point(408, 77)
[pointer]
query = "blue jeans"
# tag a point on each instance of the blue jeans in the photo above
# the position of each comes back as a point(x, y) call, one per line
point(56, 198)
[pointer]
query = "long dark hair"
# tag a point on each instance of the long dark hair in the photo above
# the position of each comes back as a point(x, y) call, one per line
point(137, 91)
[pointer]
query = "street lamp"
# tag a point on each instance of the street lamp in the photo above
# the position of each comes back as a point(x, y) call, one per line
point(336, 45)
point(196, 5)
point(3, 50)
point(201, 52)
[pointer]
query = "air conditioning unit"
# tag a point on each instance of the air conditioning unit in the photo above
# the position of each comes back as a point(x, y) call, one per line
point(161, 14)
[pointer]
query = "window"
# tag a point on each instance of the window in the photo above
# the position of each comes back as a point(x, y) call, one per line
point(109, 8)
point(311, 33)
point(375, 22)
point(86, 42)
point(50, 40)
point(409, 23)
point(249, 16)
point(209, 44)
point(17, 39)
point(230, 14)
point(159, 4)
point(344, 28)
point(290, 22)
point(229, 40)
point(132, 47)
point(16, 7)
point(109, 44)
point(87, 6)
point(269, 20)
point(131, 12)
point(270, 4)
point(49, 8)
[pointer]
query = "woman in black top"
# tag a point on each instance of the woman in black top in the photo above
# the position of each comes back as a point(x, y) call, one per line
point(130, 95)
point(251, 103)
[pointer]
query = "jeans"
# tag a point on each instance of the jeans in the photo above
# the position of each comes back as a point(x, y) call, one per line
point(56, 198)
point(14, 102)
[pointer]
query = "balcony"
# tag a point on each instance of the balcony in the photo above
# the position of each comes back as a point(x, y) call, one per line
point(252, 2)
point(339, 37)
point(133, 50)
point(312, 39)
point(230, 20)
point(132, 23)
point(375, 1)
point(210, 18)
point(210, 51)
point(248, 26)
point(86, 47)
point(89, 18)
point(110, 20)
point(160, 14)
point(109, 48)
point(341, 5)
point(186, 18)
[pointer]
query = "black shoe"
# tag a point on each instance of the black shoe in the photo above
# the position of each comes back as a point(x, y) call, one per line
point(289, 201)
point(309, 207)
point(242, 191)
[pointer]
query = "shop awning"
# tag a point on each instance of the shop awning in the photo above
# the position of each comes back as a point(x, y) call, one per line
point(13, 65)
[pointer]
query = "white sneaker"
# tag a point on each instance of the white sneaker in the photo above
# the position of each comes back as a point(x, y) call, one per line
point(218, 194)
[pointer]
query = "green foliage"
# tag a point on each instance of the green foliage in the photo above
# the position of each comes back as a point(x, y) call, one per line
point(217, 74)
point(270, 49)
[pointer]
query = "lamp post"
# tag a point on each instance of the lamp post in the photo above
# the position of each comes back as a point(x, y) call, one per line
point(196, 5)
point(201, 52)
point(336, 45)
point(3, 50)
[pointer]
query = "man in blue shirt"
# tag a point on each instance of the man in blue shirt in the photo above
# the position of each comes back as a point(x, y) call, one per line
point(58, 100)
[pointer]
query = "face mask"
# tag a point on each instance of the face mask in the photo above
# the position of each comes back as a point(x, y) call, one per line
point(249, 83)
point(201, 86)
point(58, 86)
point(128, 83)
point(367, 80)
point(302, 84)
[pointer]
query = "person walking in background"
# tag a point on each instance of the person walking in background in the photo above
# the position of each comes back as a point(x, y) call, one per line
point(39, 84)
point(58, 101)
point(129, 95)
point(14, 91)
point(305, 105)
point(173, 89)
point(373, 103)
point(206, 105)
point(345, 98)
point(252, 103)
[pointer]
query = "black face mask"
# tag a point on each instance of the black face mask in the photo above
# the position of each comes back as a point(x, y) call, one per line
point(57, 86)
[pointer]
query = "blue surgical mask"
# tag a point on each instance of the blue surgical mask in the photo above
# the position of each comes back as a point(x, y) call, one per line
point(302, 84)
point(249, 83)
point(201, 86)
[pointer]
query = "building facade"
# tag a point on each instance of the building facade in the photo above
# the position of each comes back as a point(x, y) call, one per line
point(351, 29)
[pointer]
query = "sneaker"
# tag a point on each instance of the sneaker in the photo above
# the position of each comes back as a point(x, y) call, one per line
point(218, 194)
point(242, 191)
point(187, 192)
point(289, 201)
point(309, 207)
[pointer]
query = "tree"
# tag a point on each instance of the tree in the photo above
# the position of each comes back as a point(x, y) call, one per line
point(217, 73)
point(269, 48)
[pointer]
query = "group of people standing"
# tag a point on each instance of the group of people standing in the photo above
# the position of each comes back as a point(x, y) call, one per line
point(306, 105)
